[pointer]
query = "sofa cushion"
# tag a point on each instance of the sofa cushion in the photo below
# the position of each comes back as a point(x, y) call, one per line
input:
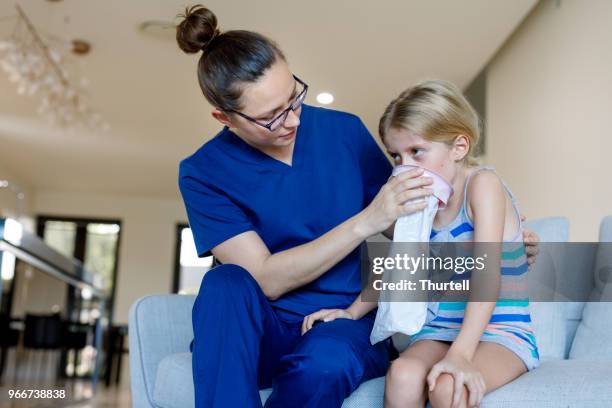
point(560, 383)
point(174, 382)
point(575, 383)
point(594, 336)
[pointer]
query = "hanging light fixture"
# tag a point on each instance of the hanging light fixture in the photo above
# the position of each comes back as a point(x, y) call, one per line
point(19, 196)
point(38, 69)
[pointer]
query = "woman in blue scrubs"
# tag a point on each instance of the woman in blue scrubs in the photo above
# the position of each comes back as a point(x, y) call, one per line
point(283, 196)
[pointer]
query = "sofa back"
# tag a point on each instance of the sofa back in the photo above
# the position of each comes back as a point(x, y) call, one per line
point(555, 323)
point(594, 336)
point(159, 326)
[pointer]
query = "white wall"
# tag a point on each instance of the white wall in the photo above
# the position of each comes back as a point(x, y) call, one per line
point(148, 228)
point(549, 101)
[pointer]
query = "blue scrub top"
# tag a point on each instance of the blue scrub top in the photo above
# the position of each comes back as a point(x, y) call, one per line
point(230, 187)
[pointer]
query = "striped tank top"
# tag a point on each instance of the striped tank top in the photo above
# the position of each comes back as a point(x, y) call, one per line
point(510, 323)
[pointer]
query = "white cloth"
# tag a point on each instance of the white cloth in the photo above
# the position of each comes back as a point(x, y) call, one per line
point(402, 315)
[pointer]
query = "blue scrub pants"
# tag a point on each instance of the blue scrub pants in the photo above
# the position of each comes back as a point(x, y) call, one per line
point(241, 344)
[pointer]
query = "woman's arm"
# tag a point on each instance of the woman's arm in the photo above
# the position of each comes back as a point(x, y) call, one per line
point(284, 271)
point(361, 307)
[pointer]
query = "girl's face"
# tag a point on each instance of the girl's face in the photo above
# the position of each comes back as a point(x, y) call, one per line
point(408, 148)
point(264, 100)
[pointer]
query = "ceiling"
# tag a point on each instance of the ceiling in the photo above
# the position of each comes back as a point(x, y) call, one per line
point(146, 88)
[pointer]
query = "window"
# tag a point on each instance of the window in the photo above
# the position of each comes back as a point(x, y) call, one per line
point(61, 236)
point(95, 243)
point(189, 269)
point(101, 252)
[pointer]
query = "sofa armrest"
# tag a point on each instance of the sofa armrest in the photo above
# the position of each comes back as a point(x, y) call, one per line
point(159, 325)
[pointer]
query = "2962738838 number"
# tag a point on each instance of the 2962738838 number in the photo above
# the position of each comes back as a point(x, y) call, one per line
point(37, 394)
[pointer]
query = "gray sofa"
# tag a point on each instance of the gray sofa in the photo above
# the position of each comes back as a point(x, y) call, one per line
point(575, 341)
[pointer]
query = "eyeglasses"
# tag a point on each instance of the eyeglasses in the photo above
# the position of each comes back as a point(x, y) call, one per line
point(279, 121)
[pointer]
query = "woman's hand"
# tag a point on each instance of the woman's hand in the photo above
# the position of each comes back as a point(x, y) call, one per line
point(532, 242)
point(395, 200)
point(326, 315)
point(464, 373)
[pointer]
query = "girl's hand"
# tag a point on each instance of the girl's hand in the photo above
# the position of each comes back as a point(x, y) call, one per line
point(326, 315)
point(391, 201)
point(464, 373)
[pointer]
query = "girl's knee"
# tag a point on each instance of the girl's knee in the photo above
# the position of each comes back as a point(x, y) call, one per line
point(405, 381)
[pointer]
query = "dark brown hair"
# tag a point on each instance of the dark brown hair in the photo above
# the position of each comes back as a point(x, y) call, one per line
point(229, 59)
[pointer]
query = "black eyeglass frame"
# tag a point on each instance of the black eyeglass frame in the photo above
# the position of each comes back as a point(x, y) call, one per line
point(299, 100)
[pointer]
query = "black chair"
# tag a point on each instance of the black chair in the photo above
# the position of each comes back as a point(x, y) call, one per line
point(42, 333)
point(8, 338)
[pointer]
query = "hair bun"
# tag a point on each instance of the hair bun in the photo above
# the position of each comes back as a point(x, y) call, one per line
point(197, 30)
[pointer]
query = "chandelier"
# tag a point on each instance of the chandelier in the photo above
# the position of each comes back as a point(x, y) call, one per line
point(40, 70)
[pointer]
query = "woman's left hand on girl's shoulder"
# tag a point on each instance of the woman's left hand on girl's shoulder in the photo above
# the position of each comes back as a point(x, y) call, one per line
point(464, 373)
point(532, 244)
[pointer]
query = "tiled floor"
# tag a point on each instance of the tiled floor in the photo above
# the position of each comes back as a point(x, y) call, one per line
point(115, 397)
point(78, 390)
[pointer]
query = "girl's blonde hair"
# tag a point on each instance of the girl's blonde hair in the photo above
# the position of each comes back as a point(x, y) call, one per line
point(437, 111)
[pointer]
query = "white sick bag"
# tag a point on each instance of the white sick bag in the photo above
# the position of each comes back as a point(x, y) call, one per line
point(398, 311)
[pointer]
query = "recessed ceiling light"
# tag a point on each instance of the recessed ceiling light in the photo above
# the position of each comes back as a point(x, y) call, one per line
point(325, 98)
